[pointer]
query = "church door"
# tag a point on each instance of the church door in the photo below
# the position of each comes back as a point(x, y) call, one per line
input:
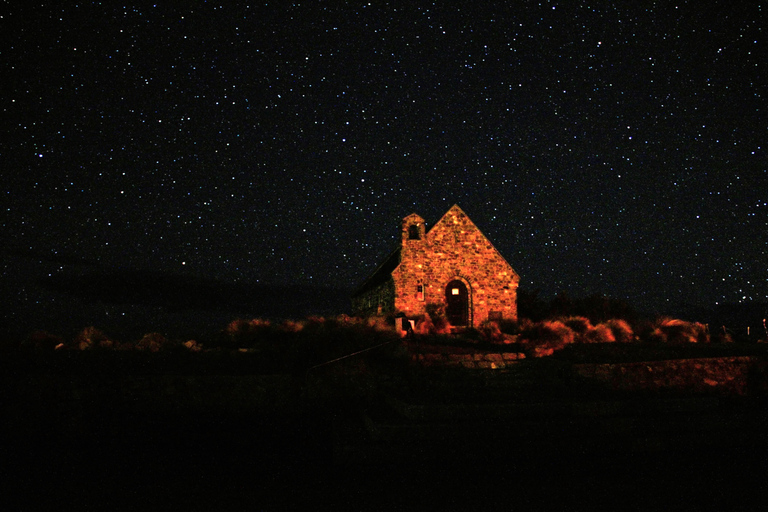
point(457, 303)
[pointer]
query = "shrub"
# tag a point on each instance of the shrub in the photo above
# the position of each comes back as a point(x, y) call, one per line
point(490, 332)
point(680, 331)
point(291, 326)
point(436, 315)
point(91, 338)
point(621, 330)
point(42, 340)
point(246, 333)
point(545, 337)
point(525, 323)
point(193, 346)
point(151, 342)
point(314, 323)
point(580, 325)
point(428, 325)
point(441, 325)
point(378, 323)
point(508, 326)
point(648, 332)
point(424, 325)
point(600, 333)
point(435, 310)
point(723, 337)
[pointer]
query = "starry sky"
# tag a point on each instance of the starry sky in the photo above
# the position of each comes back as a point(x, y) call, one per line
point(603, 147)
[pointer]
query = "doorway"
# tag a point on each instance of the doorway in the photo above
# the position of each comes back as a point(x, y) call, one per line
point(457, 303)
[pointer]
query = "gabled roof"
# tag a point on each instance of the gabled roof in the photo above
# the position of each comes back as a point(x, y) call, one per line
point(384, 271)
point(456, 209)
point(381, 274)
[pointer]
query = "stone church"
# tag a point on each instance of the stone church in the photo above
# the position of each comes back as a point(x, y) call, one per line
point(452, 265)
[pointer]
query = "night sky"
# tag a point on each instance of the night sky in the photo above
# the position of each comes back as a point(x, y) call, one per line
point(603, 147)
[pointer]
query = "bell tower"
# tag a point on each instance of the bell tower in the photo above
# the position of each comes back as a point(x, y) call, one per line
point(412, 230)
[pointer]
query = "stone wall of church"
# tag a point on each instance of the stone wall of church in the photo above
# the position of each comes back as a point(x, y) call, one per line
point(454, 249)
point(376, 301)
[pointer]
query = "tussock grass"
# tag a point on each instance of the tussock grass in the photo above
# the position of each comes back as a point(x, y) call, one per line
point(621, 330)
point(578, 324)
point(314, 340)
point(544, 338)
point(673, 330)
point(600, 333)
point(548, 336)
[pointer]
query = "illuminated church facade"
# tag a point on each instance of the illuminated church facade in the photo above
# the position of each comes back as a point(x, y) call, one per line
point(451, 266)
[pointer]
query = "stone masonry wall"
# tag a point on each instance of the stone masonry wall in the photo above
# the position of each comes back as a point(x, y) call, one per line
point(376, 301)
point(454, 249)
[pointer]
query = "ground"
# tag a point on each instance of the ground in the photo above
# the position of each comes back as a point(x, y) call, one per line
point(384, 433)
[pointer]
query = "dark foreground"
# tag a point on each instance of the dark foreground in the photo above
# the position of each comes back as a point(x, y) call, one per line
point(468, 443)
point(225, 465)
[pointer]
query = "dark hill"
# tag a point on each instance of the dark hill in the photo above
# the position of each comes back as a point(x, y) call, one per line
point(176, 292)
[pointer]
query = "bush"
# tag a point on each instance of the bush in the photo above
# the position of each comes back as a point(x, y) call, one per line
point(648, 332)
point(600, 333)
point(545, 337)
point(436, 315)
point(424, 325)
point(193, 346)
point(152, 342)
point(441, 325)
point(680, 331)
point(42, 340)
point(621, 330)
point(247, 333)
point(431, 325)
point(723, 337)
point(378, 323)
point(508, 326)
point(91, 338)
point(435, 310)
point(580, 325)
point(291, 326)
point(490, 332)
point(606, 332)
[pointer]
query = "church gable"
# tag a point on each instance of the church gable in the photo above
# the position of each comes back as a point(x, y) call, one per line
point(459, 237)
point(452, 267)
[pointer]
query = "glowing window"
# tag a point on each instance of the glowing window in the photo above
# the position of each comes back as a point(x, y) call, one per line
point(454, 291)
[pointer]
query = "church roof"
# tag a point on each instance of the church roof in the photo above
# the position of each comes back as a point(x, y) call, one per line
point(381, 274)
point(384, 271)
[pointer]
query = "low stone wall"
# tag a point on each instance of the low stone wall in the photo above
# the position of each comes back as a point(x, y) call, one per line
point(728, 375)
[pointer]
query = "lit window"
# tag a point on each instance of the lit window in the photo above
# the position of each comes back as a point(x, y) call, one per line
point(454, 291)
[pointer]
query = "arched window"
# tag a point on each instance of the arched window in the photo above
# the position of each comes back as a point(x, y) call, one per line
point(413, 232)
